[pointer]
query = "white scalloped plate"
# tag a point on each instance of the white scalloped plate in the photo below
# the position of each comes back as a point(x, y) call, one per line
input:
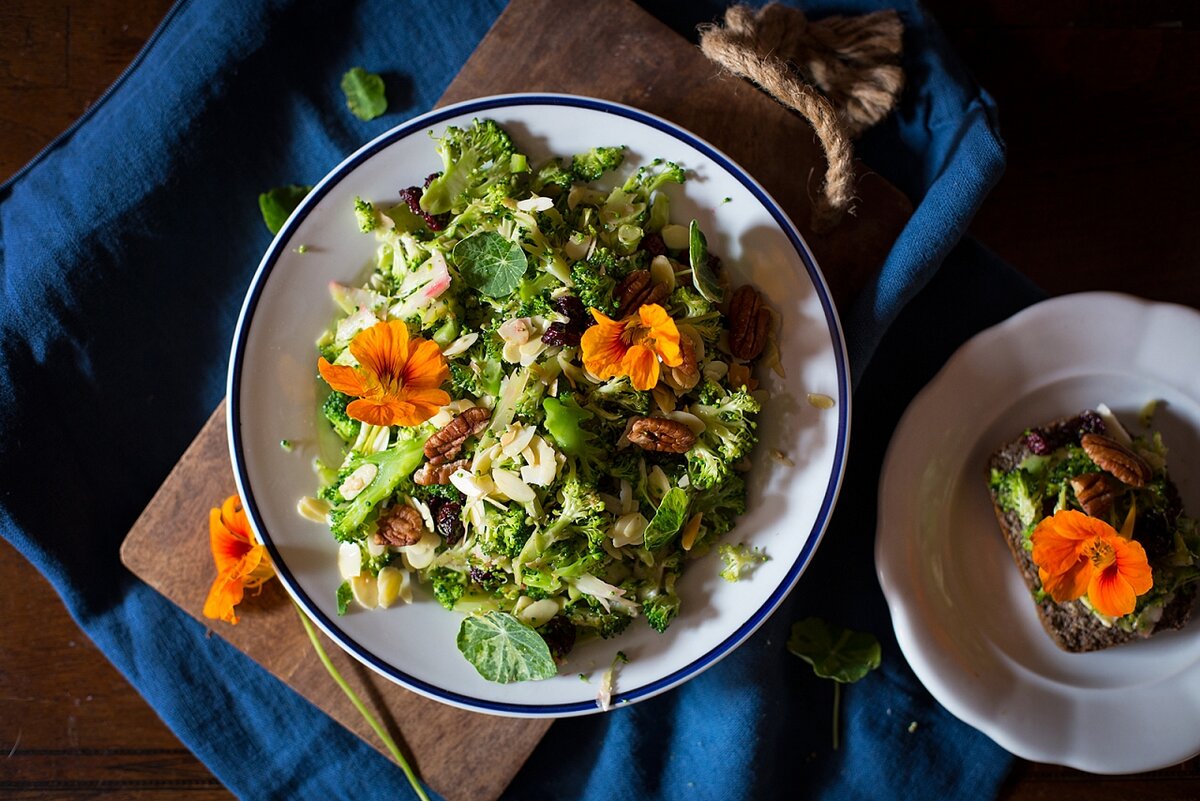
point(273, 395)
point(962, 613)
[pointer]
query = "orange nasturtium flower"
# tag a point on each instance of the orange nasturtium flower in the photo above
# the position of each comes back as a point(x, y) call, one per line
point(242, 564)
point(1078, 554)
point(633, 346)
point(398, 380)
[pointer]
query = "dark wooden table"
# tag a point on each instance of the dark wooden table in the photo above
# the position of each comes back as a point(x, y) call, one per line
point(1100, 106)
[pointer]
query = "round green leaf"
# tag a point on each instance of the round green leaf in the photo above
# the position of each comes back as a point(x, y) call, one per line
point(365, 94)
point(503, 649)
point(706, 281)
point(490, 263)
point(834, 652)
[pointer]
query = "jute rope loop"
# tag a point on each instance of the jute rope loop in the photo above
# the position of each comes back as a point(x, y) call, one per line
point(840, 73)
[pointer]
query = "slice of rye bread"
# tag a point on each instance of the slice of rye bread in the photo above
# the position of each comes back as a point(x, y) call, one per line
point(1072, 627)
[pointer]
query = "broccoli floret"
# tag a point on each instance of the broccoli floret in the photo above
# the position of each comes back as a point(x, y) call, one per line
point(334, 410)
point(590, 618)
point(591, 165)
point(711, 393)
point(661, 604)
point(477, 162)
point(1016, 492)
point(505, 532)
point(728, 437)
point(619, 392)
point(564, 422)
point(720, 506)
point(464, 379)
point(739, 560)
point(368, 220)
point(431, 492)
point(448, 585)
point(594, 286)
point(528, 408)
point(687, 302)
point(552, 179)
point(581, 508)
point(649, 178)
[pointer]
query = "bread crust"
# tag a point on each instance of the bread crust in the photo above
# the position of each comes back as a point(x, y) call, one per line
point(1071, 625)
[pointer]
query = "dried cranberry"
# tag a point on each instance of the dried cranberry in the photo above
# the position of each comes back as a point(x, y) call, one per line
point(559, 634)
point(449, 521)
point(433, 176)
point(412, 196)
point(560, 334)
point(570, 307)
point(1154, 533)
point(1089, 423)
point(1036, 441)
point(654, 245)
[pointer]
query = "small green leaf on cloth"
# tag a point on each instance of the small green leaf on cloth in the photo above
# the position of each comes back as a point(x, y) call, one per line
point(365, 95)
point(503, 649)
point(834, 652)
point(490, 263)
point(278, 204)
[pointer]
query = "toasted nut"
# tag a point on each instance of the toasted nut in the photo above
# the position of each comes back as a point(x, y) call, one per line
point(1096, 492)
point(749, 323)
point(1115, 458)
point(687, 374)
point(661, 434)
point(448, 440)
point(636, 290)
point(400, 525)
point(431, 473)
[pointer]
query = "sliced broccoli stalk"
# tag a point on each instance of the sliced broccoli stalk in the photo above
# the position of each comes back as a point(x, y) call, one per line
point(395, 465)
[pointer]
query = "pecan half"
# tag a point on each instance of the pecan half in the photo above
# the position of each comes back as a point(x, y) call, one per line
point(448, 440)
point(1096, 492)
point(399, 525)
point(431, 473)
point(661, 434)
point(687, 374)
point(749, 323)
point(636, 290)
point(1115, 458)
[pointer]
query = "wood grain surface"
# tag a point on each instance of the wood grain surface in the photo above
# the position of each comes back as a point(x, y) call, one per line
point(1095, 197)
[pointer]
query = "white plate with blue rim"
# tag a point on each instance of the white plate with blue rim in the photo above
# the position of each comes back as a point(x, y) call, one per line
point(274, 394)
point(962, 613)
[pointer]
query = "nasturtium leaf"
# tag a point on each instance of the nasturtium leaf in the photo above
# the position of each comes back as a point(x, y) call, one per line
point(490, 263)
point(277, 204)
point(834, 652)
point(706, 280)
point(503, 649)
point(667, 520)
point(365, 95)
point(344, 596)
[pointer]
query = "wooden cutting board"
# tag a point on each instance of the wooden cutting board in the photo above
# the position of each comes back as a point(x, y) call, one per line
point(612, 50)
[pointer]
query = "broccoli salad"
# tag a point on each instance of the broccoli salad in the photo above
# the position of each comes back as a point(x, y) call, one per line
point(546, 397)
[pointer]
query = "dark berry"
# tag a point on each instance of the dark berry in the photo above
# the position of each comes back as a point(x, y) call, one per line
point(561, 334)
point(1036, 441)
point(559, 634)
point(449, 521)
point(412, 196)
point(433, 176)
point(654, 245)
point(1089, 423)
point(1154, 533)
point(570, 307)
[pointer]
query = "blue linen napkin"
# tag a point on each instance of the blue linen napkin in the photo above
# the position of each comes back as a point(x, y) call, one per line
point(126, 247)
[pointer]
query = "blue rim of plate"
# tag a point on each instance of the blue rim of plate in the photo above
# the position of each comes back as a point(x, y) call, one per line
point(424, 122)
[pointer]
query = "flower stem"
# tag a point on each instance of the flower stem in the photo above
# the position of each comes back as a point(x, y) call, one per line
point(362, 709)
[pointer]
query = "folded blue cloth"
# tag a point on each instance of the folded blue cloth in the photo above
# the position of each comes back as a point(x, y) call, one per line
point(125, 250)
